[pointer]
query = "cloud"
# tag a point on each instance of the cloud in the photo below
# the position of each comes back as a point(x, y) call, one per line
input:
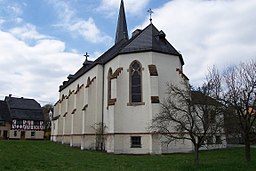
point(27, 32)
point(1, 21)
point(34, 71)
point(10, 11)
point(208, 33)
point(85, 28)
point(89, 31)
point(133, 7)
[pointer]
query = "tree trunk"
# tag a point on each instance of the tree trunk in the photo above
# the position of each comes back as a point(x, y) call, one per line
point(247, 150)
point(196, 159)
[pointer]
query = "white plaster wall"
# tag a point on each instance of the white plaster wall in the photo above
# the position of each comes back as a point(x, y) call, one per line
point(12, 134)
point(68, 117)
point(123, 144)
point(122, 118)
point(78, 114)
point(76, 140)
point(93, 112)
point(88, 142)
point(176, 146)
point(38, 134)
point(7, 127)
point(166, 67)
point(129, 119)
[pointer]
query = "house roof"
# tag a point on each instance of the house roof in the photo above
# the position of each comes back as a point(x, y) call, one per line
point(151, 39)
point(200, 98)
point(27, 114)
point(22, 103)
point(23, 108)
point(4, 111)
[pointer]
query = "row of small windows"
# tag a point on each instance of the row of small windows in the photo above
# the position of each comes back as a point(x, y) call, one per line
point(135, 82)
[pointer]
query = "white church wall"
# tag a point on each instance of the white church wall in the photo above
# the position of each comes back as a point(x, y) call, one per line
point(132, 118)
point(79, 111)
point(125, 118)
point(166, 66)
point(176, 146)
point(68, 116)
point(92, 112)
point(123, 144)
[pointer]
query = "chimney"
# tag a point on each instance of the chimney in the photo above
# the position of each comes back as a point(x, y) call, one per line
point(10, 95)
point(136, 32)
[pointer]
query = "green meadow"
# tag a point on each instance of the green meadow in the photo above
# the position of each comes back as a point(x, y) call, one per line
point(46, 155)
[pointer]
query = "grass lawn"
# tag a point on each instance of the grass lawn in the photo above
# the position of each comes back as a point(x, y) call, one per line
point(45, 155)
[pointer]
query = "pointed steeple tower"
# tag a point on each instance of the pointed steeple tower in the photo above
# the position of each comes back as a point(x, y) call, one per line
point(121, 29)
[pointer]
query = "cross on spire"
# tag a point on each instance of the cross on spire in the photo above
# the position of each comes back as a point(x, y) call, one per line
point(150, 14)
point(86, 55)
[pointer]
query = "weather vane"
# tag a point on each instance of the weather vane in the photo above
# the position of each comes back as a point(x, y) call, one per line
point(86, 55)
point(150, 14)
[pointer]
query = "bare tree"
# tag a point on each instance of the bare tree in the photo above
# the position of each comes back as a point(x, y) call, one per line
point(99, 135)
point(240, 96)
point(190, 115)
point(47, 122)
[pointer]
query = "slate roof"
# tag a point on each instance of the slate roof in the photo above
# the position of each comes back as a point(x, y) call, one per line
point(150, 39)
point(4, 111)
point(200, 98)
point(121, 30)
point(22, 108)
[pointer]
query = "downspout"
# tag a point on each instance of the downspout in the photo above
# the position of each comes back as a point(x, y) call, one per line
point(102, 115)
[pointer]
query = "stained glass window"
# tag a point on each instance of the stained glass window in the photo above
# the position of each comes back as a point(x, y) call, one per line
point(135, 82)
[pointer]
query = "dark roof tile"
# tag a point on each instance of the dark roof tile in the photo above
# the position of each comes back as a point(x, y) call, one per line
point(4, 111)
point(23, 108)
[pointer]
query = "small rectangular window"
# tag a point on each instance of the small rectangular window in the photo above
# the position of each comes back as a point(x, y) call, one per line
point(135, 142)
point(33, 133)
point(15, 133)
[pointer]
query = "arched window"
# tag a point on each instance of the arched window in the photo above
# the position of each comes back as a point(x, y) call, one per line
point(109, 83)
point(135, 70)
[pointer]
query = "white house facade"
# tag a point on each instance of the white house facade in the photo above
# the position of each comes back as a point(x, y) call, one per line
point(120, 92)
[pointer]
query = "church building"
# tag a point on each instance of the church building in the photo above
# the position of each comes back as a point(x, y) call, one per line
point(109, 103)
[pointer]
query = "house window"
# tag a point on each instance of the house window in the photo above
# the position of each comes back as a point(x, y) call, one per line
point(19, 122)
point(135, 142)
point(33, 133)
point(218, 140)
point(15, 133)
point(135, 72)
point(36, 123)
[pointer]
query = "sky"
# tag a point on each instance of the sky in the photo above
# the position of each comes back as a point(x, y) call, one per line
point(43, 41)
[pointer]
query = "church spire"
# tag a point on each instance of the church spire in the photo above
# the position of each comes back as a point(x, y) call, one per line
point(121, 29)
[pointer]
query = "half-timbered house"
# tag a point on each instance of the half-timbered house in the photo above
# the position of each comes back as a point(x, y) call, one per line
point(26, 118)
